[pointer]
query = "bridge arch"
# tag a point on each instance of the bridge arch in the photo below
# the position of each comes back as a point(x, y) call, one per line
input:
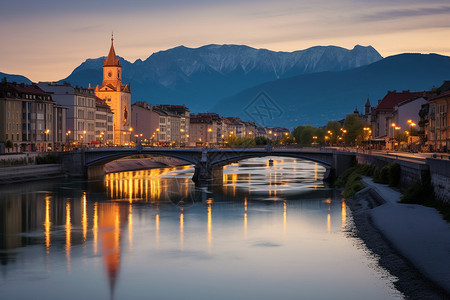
point(206, 161)
point(223, 161)
point(104, 159)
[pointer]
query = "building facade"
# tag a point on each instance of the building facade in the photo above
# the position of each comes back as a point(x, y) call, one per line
point(104, 133)
point(30, 119)
point(117, 96)
point(437, 129)
point(81, 111)
point(383, 114)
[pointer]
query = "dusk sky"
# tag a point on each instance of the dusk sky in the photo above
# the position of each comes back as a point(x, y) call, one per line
point(45, 40)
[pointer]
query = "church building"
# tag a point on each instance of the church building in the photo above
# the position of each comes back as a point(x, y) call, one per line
point(117, 96)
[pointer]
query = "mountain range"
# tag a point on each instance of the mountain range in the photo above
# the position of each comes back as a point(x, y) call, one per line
point(316, 98)
point(308, 86)
point(15, 78)
point(200, 77)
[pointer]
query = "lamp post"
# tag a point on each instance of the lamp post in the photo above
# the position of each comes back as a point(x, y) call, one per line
point(411, 125)
point(344, 131)
point(68, 136)
point(83, 138)
point(393, 134)
point(397, 128)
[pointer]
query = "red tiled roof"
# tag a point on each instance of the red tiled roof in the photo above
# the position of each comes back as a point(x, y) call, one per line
point(443, 95)
point(23, 88)
point(112, 59)
point(394, 98)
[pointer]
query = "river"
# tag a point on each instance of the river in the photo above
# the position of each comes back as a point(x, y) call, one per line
point(270, 231)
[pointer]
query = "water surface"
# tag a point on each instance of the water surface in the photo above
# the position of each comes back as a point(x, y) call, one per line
point(268, 232)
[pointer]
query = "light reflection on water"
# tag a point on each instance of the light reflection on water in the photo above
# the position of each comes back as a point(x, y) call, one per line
point(267, 232)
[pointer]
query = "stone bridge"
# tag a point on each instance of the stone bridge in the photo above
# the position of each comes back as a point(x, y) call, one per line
point(208, 162)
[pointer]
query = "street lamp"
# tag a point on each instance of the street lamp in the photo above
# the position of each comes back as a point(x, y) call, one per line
point(68, 136)
point(397, 128)
point(411, 125)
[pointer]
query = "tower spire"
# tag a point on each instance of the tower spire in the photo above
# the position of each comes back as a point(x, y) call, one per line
point(112, 59)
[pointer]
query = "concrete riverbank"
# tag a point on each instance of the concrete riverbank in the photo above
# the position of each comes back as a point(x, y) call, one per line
point(411, 241)
point(30, 173)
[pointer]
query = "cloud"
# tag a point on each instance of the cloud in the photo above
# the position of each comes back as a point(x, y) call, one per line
point(404, 13)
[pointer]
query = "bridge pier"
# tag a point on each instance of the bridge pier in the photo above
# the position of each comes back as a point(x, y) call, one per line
point(94, 172)
point(205, 173)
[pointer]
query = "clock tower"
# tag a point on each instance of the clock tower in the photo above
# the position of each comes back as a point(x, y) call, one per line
point(117, 96)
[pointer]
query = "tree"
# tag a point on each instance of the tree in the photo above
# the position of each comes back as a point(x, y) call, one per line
point(354, 128)
point(287, 140)
point(261, 140)
point(333, 130)
point(304, 134)
point(8, 145)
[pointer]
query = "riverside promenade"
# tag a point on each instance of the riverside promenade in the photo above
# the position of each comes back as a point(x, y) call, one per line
point(418, 233)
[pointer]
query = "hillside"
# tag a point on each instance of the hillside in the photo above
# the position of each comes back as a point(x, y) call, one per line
point(316, 98)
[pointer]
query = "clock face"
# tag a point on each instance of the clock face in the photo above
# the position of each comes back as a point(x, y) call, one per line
point(109, 74)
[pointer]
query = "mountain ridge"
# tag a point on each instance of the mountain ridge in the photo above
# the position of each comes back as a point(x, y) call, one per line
point(199, 77)
point(317, 98)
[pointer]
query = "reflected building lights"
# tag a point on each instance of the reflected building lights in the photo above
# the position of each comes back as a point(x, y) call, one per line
point(181, 230)
point(95, 228)
point(130, 226)
point(209, 203)
point(84, 218)
point(344, 214)
point(284, 218)
point(157, 230)
point(109, 234)
point(245, 226)
point(316, 170)
point(68, 235)
point(329, 223)
point(47, 224)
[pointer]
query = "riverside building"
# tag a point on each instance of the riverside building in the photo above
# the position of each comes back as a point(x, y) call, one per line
point(30, 119)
